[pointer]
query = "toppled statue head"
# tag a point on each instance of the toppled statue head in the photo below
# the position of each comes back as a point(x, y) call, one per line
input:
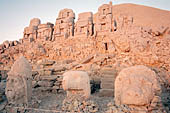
point(19, 83)
point(76, 83)
point(136, 86)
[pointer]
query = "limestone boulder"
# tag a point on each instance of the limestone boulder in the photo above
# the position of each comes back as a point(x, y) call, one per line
point(136, 85)
point(76, 82)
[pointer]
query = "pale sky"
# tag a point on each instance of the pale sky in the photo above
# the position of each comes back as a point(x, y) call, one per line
point(16, 14)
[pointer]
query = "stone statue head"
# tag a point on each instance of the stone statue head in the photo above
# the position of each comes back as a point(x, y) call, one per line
point(136, 85)
point(19, 82)
point(76, 83)
point(105, 9)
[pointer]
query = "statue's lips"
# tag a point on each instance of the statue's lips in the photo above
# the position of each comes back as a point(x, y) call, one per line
point(10, 93)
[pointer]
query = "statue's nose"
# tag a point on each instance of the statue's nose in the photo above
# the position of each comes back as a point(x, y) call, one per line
point(134, 91)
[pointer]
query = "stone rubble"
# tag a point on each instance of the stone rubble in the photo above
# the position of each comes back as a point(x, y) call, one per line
point(76, 104)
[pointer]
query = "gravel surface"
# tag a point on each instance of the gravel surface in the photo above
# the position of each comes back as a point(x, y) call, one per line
point(53, 101)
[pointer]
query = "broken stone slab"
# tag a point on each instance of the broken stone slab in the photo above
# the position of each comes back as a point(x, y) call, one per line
point(59, 68)
point(43, 72)
point(107, 85)
point(58, 73)
point(45, 62)
point(88, 59)
point(107, 79)
point(44, 88)
point(108, 72)
point(106, 92)
point(45, 83)
point(49, 78)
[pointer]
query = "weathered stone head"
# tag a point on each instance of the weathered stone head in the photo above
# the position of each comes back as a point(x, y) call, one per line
point(76, 82)
point(66, 13)
point(105, 9)
point(19, 82)
point(35, 22)
point(84, 24)
point(136, 86)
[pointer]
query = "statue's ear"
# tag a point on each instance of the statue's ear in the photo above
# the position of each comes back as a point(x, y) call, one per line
point(10, 73)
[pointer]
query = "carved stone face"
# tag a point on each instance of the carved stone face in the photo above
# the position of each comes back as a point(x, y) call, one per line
point(76, 83)
point(139, 89)
point(15, 89)
point(136, 85)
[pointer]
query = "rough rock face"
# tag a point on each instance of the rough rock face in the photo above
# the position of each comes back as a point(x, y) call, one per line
point(19, 83)
point(137, 86)
point(76, 82)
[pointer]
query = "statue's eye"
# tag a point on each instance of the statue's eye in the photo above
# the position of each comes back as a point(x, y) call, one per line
point(15, 81)
point(12, 80)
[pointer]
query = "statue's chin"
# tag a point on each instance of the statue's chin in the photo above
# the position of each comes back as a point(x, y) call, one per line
point(10, 96)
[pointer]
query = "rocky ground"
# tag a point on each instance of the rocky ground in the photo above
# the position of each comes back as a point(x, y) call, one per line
point(50, 102)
